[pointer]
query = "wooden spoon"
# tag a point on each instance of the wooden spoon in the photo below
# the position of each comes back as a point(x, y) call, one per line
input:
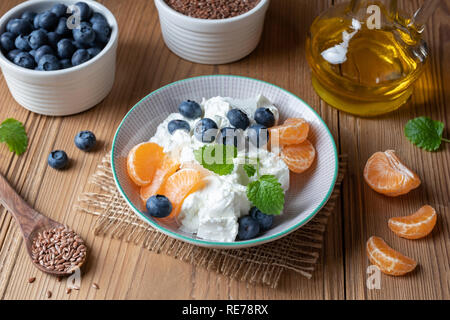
point(31, 222)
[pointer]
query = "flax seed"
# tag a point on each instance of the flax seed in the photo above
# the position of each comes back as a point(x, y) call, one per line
point(31, 280)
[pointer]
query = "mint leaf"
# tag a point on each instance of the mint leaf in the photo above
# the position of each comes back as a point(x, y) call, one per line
point(425, 133)
point(267, 195)
point(250, 170)
point(13, 134)
point(217, 158)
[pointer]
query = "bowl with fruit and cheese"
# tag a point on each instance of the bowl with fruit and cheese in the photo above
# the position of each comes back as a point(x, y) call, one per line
point(224, 161)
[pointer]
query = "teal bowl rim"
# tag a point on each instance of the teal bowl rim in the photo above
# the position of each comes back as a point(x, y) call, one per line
point(245, 243)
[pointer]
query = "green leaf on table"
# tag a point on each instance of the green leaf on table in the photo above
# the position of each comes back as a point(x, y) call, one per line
point(12, 132)
point(266, 194)
point(217, 158)
point(425, 133)
point(250, 170)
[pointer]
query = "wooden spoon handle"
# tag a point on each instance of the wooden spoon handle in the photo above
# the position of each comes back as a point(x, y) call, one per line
point(25, 215)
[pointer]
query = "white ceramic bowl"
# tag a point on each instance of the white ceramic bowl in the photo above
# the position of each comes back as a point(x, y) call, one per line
point(62, 92)
point(212, 41)
point(308, 192)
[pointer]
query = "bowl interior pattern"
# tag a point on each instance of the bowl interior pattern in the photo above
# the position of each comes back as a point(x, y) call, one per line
point(308, 191)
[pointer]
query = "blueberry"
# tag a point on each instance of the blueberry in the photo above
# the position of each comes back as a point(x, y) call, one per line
point(29, 15)
point(98, 17)
point(85, 140)
point(48, 20)
point(94, 51)
point(175, 125)
point(205, 130)
point(238, 119)
point(159, 206)
point(42, 51)
point(102, 31)
point(265, 220)
point(62, 28)
point(66, 49)
point(80, 45)
point(57, 159)
point(36, 21)
point(7, 41)
point(33, 53)
point(37, 39)
point(258, 135)
point(230, 136)
point(85, 10)
point(84, 34)
point(21, 43)
point(190, 109)
point(66, 63)
point(24, 59)
point(49, 63)
point(265, 117)
point(20, 26)
point(53, 39)
point(13, 53)
point(59, 9)
point(248, 228)
point(80, 56)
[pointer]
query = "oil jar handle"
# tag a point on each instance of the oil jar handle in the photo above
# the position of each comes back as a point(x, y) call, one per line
point(422, 15)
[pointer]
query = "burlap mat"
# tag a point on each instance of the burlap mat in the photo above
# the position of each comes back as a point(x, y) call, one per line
point(298, 251)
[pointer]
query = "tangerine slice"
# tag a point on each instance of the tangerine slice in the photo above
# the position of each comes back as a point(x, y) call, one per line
point(387, 259)
point(162, 173)
point(142, 162)
point(386, 174)
point(292, 131)
point(298, 157)
point(178, 186)
point(415, 226)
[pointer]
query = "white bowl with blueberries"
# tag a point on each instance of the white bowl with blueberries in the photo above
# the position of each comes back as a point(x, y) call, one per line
point(58, 57)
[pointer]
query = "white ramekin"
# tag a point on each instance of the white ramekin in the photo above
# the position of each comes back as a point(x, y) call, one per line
point(212, 41)
point(68, 91)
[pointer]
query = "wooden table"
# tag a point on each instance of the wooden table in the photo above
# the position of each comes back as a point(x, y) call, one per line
point(125, 271)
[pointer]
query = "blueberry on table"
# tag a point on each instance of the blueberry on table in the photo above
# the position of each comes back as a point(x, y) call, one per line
point(265, 220)
point(238, 119)
point(20, 27)
point(85, 10)
point(265, 117)
point(94, 51)
point(49, 63)
point(48, 20)
point(98, 17)
point(84, 34)
point(25, 60)
point(248, 228)
point(13, 53)
point(65, 49)
point(53, 39)
point(21, 43)
point(80, 56)
point(190, 109)
point(37, 39)
point(59, 9)
point(7, 41)
point(57, 159)
point(258, 135)
point(102, 31)
point(66, 63)
point(230, 136)
point(85, 140)
point(42, 51)
point(205, 130)
point(175, 125)
point(158, 206)
point(62, 28)
point(29, 15)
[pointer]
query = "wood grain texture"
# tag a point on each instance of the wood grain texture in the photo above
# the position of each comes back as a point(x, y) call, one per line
point(125, 271)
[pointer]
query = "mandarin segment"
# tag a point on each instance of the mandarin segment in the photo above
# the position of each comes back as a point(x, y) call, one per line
point(142, 162)
point(386, 174)
point(292, 131)
point(388, 260)
point(415, 226)
point(298, 157)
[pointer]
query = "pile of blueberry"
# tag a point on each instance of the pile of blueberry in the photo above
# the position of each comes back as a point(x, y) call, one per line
point(47, 41)
point(84, 140)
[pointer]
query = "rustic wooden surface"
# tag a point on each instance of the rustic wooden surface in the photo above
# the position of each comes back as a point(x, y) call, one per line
point(125, 271)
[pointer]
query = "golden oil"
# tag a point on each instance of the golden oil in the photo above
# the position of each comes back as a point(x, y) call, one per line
point(381, 63)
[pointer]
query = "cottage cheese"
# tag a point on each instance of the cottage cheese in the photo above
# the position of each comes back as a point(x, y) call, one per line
point(212, 213)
